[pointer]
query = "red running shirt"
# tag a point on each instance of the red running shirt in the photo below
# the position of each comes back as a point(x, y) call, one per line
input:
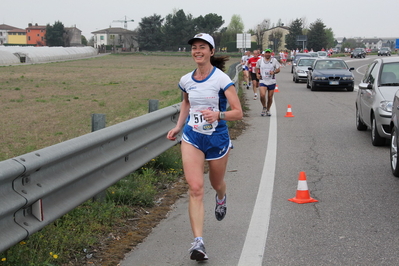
point(252, 63)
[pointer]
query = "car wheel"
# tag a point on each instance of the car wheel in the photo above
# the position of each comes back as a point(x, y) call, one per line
point(296, 80)
point(359, 123)
point(312, 87)
point(394, 153)
point(376, 139)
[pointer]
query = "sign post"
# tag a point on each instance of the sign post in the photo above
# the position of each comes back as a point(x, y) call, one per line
point(243, 41)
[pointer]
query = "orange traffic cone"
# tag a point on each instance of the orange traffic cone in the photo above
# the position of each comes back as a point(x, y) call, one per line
point(289, 112)
point(302, 193)
point(276, 89)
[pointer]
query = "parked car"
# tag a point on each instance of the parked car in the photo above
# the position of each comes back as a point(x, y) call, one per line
point(384, 51)
point(301, 69)
point(322, 54)
point(394, 127)
point(296, 58)
point(358, 53)
point(330, 73)
point(375, 96)
point(335, 50)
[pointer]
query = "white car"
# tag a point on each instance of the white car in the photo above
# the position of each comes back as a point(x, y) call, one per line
point(322, 54)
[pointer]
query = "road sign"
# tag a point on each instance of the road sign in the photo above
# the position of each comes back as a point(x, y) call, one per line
point(243, 40)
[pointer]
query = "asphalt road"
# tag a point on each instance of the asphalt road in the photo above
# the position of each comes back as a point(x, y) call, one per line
point(354, 222)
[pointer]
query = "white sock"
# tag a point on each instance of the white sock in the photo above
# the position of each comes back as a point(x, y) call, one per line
point(199, 239)
point(222, 200)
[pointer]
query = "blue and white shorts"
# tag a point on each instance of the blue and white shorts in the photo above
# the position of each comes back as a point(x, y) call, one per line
point(213, 146)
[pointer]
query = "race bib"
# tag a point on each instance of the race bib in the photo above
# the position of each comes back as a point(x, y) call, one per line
point(198, 122)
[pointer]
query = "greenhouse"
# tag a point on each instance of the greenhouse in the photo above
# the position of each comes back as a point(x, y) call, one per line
point(17, 55)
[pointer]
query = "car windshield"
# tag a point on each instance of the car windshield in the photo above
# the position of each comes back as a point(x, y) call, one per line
point(305, 62)
point(359, 50)
point(297, 57)
point(330, 64)
point(321, 53)
point(389, 74)
point(384, 49)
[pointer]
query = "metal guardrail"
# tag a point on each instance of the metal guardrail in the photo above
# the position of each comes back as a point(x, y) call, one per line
point(39, 187)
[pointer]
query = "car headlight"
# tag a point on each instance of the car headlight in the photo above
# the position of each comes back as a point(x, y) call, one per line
point(347, 78)
point(300, 71)
point(319, 78)
point(386, 106)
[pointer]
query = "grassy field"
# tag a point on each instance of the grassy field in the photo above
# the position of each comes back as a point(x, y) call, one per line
point(45, 104)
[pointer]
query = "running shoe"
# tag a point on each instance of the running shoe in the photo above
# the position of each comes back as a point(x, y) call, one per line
point(255, 97)
point(220, 209)
point(268, 113)
point(197, 251)
point(263, 111)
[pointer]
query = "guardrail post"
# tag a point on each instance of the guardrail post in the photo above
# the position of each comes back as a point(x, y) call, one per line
point(153, 105)
point(97, 123)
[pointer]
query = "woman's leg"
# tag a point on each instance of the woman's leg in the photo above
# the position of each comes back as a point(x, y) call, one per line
point(193, 166)
point(217, 170)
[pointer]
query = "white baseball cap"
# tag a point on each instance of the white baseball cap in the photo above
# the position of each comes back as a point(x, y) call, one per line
point(205, 37)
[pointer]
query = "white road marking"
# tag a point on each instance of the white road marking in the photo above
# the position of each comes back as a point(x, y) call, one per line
point(255, 241)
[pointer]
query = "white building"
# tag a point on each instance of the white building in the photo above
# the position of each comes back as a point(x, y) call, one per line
point(116, 37)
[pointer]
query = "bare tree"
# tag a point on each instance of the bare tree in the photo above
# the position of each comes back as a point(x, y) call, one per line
point(275, 38)
point(260, 30)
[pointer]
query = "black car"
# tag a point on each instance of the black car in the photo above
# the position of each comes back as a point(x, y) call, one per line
point(358, 53)
point(384, 51)
point(296, 57)
point(330, 73)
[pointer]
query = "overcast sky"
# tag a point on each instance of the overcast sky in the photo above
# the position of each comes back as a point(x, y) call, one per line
point(347, 18)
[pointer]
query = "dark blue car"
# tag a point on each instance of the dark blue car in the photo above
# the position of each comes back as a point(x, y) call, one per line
point(331, 74)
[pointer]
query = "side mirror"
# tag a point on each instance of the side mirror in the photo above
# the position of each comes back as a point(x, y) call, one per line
point(365, 86)
point(352, 68)
point(309, 68)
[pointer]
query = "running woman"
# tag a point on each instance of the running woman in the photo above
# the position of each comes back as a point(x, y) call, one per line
point(203, 116)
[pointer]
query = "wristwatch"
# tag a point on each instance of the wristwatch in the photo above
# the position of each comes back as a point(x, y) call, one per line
point(221, 115)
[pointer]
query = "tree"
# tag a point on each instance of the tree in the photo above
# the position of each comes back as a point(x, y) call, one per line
point(259, 32)
point(330, 38)
point(55, 34)
point(351, 43)
point(275, 38)
point(317, 38)
point(149, 33)
point(208, 24)
point(84, 40)
point(178, 28)
point(235, 26)
point(295, 30)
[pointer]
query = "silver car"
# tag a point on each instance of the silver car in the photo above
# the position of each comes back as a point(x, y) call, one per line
point(301, 69)
point(322, 54)
point(374, 98)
